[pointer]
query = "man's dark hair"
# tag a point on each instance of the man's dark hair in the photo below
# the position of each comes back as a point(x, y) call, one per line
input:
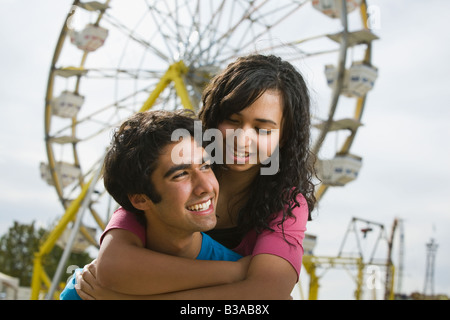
point(134, 152)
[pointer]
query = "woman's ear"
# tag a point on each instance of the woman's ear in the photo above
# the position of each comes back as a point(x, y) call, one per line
point(139, 201)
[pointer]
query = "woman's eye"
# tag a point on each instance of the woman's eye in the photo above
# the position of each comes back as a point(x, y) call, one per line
point(206, 166)
point(263, 132)
point(233, 120)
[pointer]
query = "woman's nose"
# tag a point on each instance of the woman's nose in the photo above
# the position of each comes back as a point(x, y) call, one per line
point(244, 137)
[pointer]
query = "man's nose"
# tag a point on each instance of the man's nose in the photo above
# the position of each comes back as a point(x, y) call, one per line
point(203, 183)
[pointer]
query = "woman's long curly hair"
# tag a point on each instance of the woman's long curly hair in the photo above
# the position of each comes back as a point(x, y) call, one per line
point(236, 88)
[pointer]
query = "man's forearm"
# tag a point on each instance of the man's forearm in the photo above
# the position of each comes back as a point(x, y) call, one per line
point(269, 278)
point(141, 271)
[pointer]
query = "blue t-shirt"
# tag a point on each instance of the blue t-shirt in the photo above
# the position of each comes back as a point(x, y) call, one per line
point(210, 250)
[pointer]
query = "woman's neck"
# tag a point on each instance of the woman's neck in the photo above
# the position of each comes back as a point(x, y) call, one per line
point(234, 192)
point(236, 182)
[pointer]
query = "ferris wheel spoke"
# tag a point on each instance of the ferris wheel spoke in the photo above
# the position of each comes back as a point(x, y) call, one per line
point(214, 23)
point(133, 36)
point(71, 193)
point(260, 18)
point(182, 35)
point(209, 31)
point(105, 127)
point(122, 73)
point(322, 52)
point(163, 24)
point(195, 26)
point(268, 27)
point(225, 36)
point(125, 103)
point(175, 33)
point(115, 107)
point(213, 48)
point(228, 51)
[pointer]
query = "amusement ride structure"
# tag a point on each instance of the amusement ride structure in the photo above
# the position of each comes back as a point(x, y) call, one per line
point(114, 58)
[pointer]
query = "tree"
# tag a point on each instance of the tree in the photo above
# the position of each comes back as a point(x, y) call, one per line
point(17, 249)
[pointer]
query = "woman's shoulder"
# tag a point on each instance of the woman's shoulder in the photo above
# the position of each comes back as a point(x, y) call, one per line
point(299, 215)
point(123, 219)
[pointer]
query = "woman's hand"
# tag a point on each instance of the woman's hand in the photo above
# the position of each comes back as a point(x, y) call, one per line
point(88, 287)
point(86, 281)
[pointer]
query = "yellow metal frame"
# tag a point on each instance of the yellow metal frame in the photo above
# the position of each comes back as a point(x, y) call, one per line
point(39, 275)
point(360, 103)
point(311, 263)
point(174, 74)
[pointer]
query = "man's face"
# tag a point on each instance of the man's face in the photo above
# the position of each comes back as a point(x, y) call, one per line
point(188, 188)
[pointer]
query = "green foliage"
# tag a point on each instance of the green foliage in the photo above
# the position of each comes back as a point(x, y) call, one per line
point(17, 249)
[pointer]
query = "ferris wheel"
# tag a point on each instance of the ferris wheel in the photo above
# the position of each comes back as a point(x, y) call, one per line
point(113, 59)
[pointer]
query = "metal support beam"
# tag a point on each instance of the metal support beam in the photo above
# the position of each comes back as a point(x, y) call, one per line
point(73, 234)
point(39, 275)
point(174, 74)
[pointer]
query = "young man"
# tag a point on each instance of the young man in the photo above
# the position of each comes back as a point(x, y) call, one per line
point(170, 188)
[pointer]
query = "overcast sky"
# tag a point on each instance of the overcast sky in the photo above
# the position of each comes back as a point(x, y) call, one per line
point(404, 141)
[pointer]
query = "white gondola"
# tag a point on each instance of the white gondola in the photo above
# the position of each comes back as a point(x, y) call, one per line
point(80, 244)
point(90, 38)
point(68, 72)
point(340, 170)
point(333, 8)
point(358, 79)
point(330, 74)
point(67, 173)
point(67, 105)
point(45, 173)
point(93, 6)
point(361, 79)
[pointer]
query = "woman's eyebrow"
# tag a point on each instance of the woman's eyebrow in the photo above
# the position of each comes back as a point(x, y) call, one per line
point(266, 121)
point(260, 119)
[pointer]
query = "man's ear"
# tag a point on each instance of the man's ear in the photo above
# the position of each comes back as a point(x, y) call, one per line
point(139, 201)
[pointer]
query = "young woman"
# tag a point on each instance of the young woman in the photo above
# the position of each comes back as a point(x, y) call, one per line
point(261, 214)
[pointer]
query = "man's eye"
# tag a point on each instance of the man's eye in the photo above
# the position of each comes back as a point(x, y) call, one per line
point(179, 175)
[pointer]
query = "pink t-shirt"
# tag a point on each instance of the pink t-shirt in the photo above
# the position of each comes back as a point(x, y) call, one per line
point(275, 242)
point(267, 242)
point(123, 219)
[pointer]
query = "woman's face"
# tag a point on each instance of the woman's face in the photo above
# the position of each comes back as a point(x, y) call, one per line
point(251, 135)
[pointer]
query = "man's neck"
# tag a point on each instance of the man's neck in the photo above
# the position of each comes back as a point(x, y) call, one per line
point(186, 246)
